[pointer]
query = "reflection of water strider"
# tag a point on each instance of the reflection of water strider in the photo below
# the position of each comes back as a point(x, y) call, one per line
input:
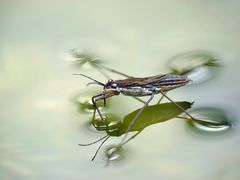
point(132, 86)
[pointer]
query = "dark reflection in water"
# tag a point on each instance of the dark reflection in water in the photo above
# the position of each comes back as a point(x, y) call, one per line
point(97, 125)
point(214, 121)
point(84, 103)
point(199, 66)
point(83, 57)
point(114, 126)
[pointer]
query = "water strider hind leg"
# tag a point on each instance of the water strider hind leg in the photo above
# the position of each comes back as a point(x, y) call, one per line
point(189, 115)
point(161, 98)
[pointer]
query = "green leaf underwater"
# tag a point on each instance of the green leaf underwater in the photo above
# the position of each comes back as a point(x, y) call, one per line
point(151, 115)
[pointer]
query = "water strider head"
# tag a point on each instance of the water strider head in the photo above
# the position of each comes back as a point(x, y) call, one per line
point(111, 84)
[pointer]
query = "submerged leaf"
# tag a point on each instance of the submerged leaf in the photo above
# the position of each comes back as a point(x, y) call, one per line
point(151, 115)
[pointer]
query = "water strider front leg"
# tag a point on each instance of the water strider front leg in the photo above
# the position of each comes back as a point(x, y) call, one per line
point(103, 96)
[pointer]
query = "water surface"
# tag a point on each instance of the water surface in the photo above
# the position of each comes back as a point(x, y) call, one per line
point(41, 125)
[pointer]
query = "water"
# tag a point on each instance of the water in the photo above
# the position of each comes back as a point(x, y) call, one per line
point(212, 121)
point(199, 66)
point(42, 121)
point(113, 153)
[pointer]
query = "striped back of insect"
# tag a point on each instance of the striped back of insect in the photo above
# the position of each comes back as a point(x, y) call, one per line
point(171, 81)
point(150, 85)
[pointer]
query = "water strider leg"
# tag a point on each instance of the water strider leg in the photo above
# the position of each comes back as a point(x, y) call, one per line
point(100, 147)
point(102, 72)
point(122, 74)
point(134, 120)
point(115, 71)
point(142, 101)
point(105, 138)
point(161, 98)
point(138, 99)
point(132, 137)
point(124, 141)
point(94, 101)
point(118, 147)
point(164, 94)
point(119, 73)
point(93, 118)
point(94, 142)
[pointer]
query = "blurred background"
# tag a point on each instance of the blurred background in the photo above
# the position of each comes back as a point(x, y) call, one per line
point(41, 126)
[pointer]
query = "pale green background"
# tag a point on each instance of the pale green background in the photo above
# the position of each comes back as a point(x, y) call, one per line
point(40, 126)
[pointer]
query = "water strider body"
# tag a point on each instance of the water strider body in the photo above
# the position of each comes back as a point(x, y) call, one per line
point(137, 87)
point(147, 86)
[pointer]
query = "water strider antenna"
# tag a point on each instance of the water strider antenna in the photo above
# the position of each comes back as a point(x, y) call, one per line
point(96, 82)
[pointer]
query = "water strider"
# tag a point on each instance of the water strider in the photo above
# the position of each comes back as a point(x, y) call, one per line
point(137, 87)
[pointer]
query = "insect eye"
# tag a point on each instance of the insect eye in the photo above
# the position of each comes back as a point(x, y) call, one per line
point(114, 85)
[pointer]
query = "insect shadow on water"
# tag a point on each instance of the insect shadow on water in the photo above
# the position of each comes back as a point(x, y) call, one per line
point(137, 87)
